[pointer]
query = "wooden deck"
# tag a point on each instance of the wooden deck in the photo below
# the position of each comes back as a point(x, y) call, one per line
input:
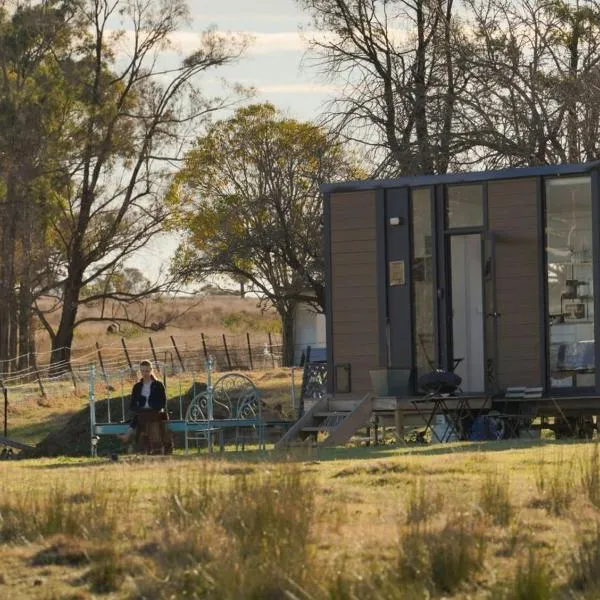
point(549, 406)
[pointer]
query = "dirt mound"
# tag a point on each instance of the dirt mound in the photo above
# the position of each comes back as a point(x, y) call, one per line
point(74, 438)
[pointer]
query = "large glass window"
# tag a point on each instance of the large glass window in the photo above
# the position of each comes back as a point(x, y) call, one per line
point(465, 206)
point(570, 281)
point(423, 281)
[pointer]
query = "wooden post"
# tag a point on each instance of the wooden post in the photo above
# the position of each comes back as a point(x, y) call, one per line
point(227, 352)
point(399, 423)
point(126, 353)
point(153, 351)
point(204, 347)
point(178, 355)
point(39, 379)
point(5, 391)
point(250, 351)
point(102, 364)
point(73, 377)
point(271, 350)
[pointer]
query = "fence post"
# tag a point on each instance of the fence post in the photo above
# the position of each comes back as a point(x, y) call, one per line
point(227, 352)
point(249, 351)
point(101, 364)
point(271, 350)
point(204, 347)
point(92, 400)
point(5, 392)
point(153, 351)
point(126, 353)
point(178, 355)
point(39, 379)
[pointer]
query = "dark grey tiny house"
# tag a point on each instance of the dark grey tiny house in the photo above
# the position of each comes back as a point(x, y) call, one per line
point(491, 274)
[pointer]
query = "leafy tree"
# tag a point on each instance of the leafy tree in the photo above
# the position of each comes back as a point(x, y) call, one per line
point(248, 204)
point(33, 37)
point(128, 121)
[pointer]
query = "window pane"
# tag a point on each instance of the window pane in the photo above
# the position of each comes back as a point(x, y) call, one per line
point(465, 206)
point(423, 281)
point(570, 281)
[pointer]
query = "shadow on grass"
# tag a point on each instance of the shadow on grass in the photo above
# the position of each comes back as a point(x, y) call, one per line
point(230, 455)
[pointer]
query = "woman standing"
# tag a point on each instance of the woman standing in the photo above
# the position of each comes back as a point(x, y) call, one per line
point(148, 403)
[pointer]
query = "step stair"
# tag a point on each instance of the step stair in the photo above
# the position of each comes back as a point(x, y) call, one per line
point(338, 420)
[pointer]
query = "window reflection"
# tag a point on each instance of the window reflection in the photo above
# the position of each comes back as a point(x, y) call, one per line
point(570, 281)
point(423, 281)
point(465, 206)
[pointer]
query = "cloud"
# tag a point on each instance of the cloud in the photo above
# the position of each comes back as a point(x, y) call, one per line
point(259, 43)
point(296, 88)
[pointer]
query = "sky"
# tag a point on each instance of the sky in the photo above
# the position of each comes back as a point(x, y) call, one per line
point(273, 65)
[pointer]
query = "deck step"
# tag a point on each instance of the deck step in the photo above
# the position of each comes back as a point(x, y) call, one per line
point(337, 413)
point(321, 428)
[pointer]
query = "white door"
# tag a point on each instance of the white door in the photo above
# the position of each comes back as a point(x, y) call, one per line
point(467, 311)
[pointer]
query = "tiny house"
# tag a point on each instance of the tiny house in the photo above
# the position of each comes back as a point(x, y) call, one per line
point(489, 274)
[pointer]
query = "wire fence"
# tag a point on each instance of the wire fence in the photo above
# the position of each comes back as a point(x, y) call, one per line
point(187, 354)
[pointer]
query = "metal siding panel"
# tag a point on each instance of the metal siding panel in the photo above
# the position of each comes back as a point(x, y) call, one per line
point(353, 281)
point(512, 216)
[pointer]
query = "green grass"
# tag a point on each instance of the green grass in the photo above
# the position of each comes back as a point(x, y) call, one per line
point(453, 521)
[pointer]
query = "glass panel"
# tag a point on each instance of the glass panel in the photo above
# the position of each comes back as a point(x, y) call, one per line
point(465, 206)
point(467, 311)
point(423, 281)
point(570, 281)
point(490, 313)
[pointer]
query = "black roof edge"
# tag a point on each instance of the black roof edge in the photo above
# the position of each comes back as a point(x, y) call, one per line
point(467, 177)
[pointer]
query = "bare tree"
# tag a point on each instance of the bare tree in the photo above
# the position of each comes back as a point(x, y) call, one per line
point(535, 73)
point(404, 81)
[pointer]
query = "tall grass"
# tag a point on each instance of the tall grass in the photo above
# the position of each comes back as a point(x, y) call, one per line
point(89, 511)
point(533, 580)
point(556, 485)
point(423, 503)
point(585, 563)
point(590, 475)
point(494, 498)
point(252, 535)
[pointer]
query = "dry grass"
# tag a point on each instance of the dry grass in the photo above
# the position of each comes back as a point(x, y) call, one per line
point(357, 523)
point(186, 320)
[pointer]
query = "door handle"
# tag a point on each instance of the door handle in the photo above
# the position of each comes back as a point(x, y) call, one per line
point(494, 315)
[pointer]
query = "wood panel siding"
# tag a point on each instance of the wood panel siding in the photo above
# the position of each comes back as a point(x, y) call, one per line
point(513, 218)
point(354, 306)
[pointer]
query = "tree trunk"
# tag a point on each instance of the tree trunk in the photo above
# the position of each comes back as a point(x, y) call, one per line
point(25, 321)
point(287, 331)
point(7, 271)
point(61, 345)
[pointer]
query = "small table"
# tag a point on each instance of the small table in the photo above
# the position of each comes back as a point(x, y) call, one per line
point(442, 404)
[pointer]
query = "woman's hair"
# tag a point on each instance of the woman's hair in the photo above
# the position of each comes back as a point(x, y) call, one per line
point(146, 363)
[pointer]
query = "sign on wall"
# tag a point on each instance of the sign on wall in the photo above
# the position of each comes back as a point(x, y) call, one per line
point(396, 272)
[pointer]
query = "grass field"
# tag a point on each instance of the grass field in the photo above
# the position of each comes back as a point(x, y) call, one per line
point(494, 520)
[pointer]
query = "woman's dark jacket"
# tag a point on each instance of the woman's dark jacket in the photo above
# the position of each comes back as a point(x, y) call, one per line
point(157, 400)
